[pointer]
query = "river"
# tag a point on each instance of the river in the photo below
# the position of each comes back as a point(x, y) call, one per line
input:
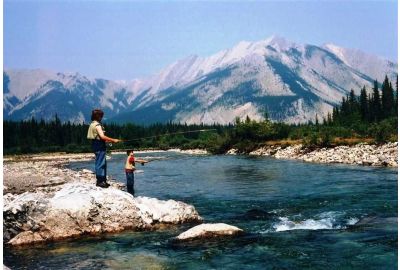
point(296, 216)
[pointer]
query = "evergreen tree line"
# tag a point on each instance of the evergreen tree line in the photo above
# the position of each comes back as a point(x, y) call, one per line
point(34, 136)
point(367, 108)
point(372, 115)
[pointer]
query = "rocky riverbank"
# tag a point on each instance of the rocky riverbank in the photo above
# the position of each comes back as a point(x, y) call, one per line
point(43, 172)
point(190, 151)
point(360, 154)
point(45, 201)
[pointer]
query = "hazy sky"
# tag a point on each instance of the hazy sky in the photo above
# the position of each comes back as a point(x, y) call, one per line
point(130, 39)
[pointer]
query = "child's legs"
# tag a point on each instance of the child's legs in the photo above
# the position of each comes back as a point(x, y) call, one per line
point(130, 181)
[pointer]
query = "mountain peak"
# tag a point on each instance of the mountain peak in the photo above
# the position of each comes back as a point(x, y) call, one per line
point(279, 42)
point(293, 80)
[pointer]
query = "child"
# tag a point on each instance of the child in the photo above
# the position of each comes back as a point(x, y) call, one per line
point(129, 169)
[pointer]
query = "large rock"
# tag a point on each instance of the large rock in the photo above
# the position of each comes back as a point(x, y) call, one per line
point(152, 211)
point(232, 151)
point(81, 208)
point(289, 152)
point(265, 151)
point(209, 230)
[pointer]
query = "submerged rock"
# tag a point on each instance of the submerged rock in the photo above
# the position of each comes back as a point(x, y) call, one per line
point(81, 208)
point(375, 220)
point(209, 230)
point(256, 214)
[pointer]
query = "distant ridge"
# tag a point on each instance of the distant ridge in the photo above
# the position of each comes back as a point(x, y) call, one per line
point(291, 81)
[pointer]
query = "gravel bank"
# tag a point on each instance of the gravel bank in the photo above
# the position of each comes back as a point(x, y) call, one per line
point(361, 154)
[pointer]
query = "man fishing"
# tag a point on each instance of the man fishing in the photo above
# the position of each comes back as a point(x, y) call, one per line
point(96, 135)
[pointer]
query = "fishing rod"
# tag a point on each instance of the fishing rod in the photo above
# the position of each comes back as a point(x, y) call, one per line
point(167, 134)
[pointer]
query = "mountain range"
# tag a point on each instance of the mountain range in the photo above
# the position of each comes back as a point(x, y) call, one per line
point(292, 82)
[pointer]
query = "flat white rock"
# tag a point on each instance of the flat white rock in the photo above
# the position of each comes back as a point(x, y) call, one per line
point(209, 230)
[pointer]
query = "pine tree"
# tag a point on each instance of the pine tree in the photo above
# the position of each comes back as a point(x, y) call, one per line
point(387, 98)
point(335, 115)
point(237, 120)
point(364, 104)
point(266, 116)
point(376, 109)
point(329, 119)
point(324, 122)
point(396, 97)
point(370, 108)
point(248, 120)
point(352, 101)
point(393, 111)
point(344, 107)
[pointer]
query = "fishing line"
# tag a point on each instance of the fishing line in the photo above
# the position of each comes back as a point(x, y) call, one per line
point(167, 134)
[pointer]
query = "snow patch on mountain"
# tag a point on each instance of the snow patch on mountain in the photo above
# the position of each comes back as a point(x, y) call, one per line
point(168, 106)
point(25, 82)
point(221, 114)
point(301, 112)
point(193, 67)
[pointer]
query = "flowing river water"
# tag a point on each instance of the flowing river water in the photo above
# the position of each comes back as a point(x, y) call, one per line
point(296, 216)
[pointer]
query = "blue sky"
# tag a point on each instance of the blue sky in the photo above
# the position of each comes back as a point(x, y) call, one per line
point(131, 39)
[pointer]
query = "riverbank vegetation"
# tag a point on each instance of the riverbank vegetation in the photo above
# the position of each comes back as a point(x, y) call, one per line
point(365, 118)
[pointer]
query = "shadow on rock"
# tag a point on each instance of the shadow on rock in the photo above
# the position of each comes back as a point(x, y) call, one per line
point(220, 242)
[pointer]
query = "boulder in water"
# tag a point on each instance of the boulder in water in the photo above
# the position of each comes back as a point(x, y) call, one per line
point(209, 230)
point(81, 208)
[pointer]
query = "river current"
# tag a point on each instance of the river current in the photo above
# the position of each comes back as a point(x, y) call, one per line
point(296, 215)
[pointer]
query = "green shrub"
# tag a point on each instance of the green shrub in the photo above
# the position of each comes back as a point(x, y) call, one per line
point(246, 146)
point(381, 132)
point(221, 144)
point(326, 139)
point(311, 140)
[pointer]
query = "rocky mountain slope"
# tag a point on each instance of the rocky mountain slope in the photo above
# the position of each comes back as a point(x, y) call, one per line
point(291, 81)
